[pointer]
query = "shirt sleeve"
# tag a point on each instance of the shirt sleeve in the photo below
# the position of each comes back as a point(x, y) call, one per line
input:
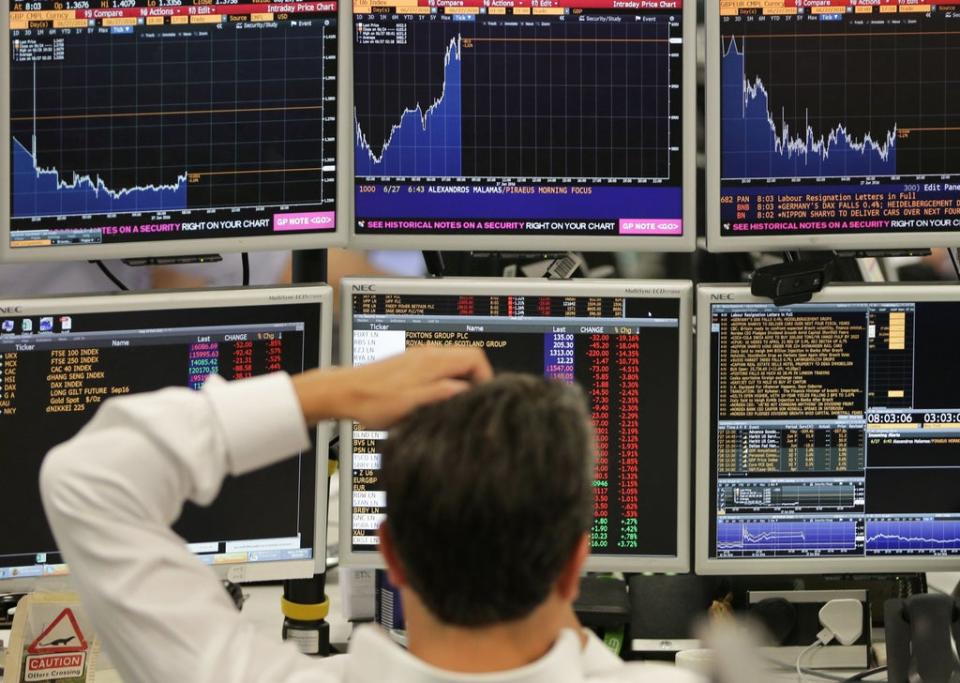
point(111, 493)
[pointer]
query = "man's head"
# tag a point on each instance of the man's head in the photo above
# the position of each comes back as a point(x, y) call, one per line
point(489, 497)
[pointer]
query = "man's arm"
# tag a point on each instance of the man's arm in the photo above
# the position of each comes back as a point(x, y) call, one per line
point(112, 491)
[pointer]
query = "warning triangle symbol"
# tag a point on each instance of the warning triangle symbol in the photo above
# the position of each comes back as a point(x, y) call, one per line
point(62, 635)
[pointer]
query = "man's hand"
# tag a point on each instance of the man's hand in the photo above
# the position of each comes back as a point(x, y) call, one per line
point(379, 394)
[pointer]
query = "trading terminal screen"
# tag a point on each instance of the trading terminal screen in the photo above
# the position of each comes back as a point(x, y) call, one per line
point(155, 120)
point(623, 351)
point(56, 370)
point(839, 117)
point(518, 117)
point(835, 430)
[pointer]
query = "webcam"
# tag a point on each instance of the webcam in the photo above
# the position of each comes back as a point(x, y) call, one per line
point(792, 283)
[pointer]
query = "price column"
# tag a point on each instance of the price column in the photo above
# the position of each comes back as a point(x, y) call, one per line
point(242, 360)
point(628, 417)
point(598, 359)
point(274, 355)
point(203, 360)
point(558, 356)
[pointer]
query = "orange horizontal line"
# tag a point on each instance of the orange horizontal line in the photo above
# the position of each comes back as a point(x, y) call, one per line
point(931, 129)
point(255, 170)
point(170, 112)
point(567, 40)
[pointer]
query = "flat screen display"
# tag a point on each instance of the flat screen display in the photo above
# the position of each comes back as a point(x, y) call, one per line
point(625, 350)
point(523, 118)
point(138, 125)
point(834, 435)
point(58, 365)
point(835, 120)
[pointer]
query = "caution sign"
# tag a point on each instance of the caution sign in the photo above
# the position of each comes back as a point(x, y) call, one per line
point(45, 667)
point(49, 641)
point(60, 651)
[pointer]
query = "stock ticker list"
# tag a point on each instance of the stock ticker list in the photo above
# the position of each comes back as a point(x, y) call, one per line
point(56, 371)
point(76, 375)
point(834, 431)
point(623, 352)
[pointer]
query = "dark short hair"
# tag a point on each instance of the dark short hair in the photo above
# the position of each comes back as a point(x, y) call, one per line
point(488, 494)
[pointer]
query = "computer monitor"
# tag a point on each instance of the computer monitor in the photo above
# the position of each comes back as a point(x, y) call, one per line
point(523, 124)
point(60, 358)
point(831, 124)
point(139, 128)
point(626, 342)
point(828, 434)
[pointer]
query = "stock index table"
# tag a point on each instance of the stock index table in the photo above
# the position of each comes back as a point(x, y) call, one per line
point(56, 370)
point(623, 351)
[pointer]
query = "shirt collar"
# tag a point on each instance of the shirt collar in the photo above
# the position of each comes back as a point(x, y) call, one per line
point(374, 658)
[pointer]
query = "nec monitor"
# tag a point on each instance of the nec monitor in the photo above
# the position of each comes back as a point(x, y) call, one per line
point(523, 124)
point(828, 432)
point(832, 124)
point(60, 358)
point(138, 128)
point(626, 343)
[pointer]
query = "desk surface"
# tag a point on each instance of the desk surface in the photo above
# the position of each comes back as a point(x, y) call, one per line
point(262, 607)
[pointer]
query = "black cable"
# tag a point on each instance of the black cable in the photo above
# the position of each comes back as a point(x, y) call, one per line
point(245, 262)
point(865, 674)
point(113, 278)
point(825, 675)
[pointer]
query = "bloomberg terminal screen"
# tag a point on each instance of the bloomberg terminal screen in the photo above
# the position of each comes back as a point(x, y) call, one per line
point(624, 352)
point(839, 117)
point(835, 430)
point(157, 120)
point(56, 370)
point(518, 117)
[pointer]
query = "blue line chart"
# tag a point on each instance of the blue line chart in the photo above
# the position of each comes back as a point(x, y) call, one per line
point(773, 536)
point(425, 142)
point(912, 535)
point(756, 145)
point(39, 191)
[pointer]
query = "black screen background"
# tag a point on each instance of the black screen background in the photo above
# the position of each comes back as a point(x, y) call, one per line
point(261, 504)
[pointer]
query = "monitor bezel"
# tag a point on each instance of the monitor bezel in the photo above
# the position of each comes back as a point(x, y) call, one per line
point(682, 290)
point(727, 243)
point(161, 248)
point(117, 302)
point(707, 295)
point(549, 243)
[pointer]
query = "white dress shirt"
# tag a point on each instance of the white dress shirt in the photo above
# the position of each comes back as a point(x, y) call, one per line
point(111, 494)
